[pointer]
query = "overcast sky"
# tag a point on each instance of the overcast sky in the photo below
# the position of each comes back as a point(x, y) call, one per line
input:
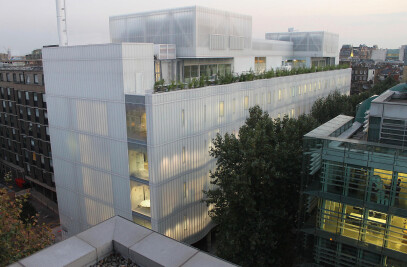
point(29, 24)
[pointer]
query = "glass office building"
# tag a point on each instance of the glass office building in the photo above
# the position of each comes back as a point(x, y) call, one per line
point(359, 186)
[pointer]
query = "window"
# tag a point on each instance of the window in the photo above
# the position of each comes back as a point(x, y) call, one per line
point(221, 108)
point(292, 113)
point(34, 155)
point(183, 118)
point(1, 77)
point(37, 113)
point(14, 77)
point(19, 97)
point(183, 155)
point(36, 78)
point(246, 102)
point(293, 91)
point(234, 105)
point(299, 90)
point(279, 94)
point(35, 97)
point(8, 77)
point(268, 98)
point(21, 78)
point(140, 198)
point(8, 91)
point(27, 79)
point(27, 96)
point(185, 190)
point(29, 111)
point(305, 88)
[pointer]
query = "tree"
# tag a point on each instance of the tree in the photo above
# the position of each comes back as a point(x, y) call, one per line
point(325, 109)
point(19, 237)
point(257, 178)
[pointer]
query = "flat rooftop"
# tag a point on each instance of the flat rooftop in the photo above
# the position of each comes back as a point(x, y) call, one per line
point(143, 246)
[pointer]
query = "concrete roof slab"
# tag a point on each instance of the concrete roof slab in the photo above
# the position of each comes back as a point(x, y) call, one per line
point(100, 237)
point(71, 252)
point(158, 250)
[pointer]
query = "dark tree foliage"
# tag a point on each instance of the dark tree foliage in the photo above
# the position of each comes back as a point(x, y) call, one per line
point(325, 109)
point(257, 178)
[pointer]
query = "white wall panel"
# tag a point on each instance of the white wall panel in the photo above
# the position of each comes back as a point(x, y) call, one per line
point(273, 62)
point(243, 64)
point(87, 120)
point(168, 137)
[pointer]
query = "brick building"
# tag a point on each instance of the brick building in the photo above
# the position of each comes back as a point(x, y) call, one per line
point(24, 135)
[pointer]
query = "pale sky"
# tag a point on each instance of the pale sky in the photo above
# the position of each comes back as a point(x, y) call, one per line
point(29, 24)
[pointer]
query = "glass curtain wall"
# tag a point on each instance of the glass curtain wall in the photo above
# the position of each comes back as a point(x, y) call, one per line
point(366, 225)
point(138, 160)
point(137, 140)
point(140, 198)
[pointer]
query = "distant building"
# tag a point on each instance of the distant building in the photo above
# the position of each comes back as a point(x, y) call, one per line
point(24, 134)
point(388, 69)
point(35, 55)
point(356, 173)
point(403, 54)
point(392, 54)
point(346, 53)
point(363, 76)
point(379, 55)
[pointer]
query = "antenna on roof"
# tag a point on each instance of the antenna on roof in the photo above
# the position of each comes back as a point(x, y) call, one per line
point(61, 20)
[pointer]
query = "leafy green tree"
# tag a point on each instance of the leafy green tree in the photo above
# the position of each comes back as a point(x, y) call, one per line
point(19, 236)
point(325, 109)
point(255, 200)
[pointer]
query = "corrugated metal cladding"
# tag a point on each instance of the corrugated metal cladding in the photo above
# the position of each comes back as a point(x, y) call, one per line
point(87, 118)
point(181, 125)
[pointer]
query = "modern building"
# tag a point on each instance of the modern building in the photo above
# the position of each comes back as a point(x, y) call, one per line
point(356, 173)
point(317, 49)
point(122, 148)
point(24, 135)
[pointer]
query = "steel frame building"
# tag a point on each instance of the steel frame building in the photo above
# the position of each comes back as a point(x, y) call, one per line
point(359, 186)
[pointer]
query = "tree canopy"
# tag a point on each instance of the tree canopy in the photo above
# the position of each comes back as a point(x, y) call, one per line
point(19, 236)
point(325, 109)
point(257, 180)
